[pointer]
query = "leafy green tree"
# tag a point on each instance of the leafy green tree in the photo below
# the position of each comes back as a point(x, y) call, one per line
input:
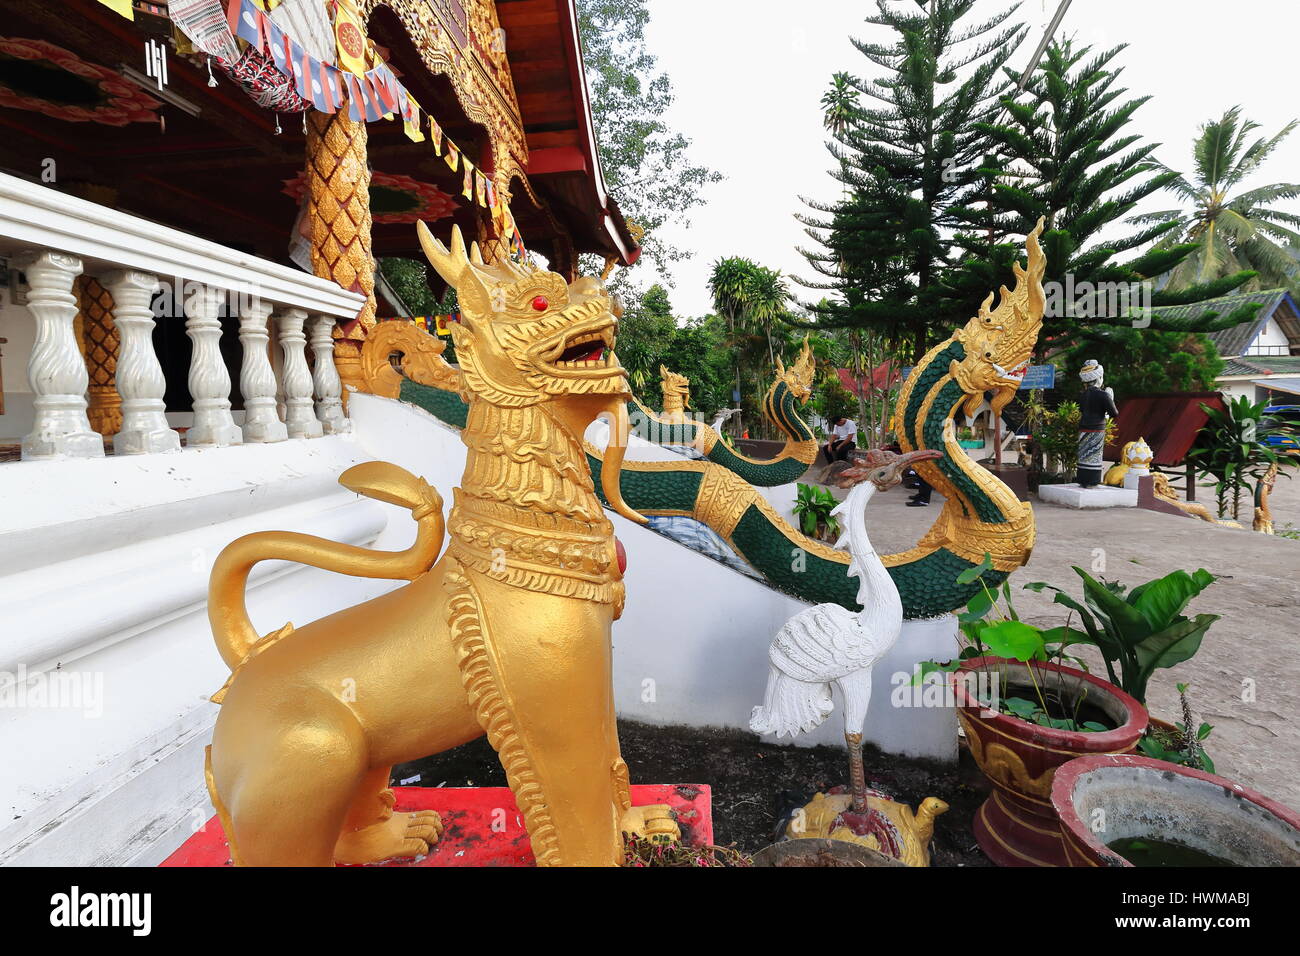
point(646, 163)
point(645, 334)
point(1233, 230)
point(1146, 362)
point(905, 161)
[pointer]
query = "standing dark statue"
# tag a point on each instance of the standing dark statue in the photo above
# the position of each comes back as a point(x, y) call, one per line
point(1096, 404)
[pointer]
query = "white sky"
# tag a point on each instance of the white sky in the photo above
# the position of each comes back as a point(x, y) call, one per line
point(749, 74)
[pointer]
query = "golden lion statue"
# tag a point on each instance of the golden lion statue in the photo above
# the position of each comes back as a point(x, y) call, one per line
point(507, 634)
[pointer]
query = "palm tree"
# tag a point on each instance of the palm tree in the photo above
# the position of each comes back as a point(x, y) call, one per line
point(839, 103)
point(765, 302)
point(1235, 232)
point(729, 286)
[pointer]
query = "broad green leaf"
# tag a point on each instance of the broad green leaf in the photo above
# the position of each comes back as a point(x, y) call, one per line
point(1024, 709)
point(1174, 644)
point(973, 574)
point(1013, 639)
point(1123, 619)
point(1161, 601)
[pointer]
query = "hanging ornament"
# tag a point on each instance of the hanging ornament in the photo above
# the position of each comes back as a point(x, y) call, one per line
point(212, 80)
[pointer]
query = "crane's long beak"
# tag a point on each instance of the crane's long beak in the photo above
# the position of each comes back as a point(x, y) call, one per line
point(615, 413)
point(910, 458)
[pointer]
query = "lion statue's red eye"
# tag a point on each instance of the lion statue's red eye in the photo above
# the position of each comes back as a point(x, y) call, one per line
point(540, 303)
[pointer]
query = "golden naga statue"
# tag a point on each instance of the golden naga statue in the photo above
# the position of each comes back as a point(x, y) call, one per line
point(1161, 488)
point(676, 391)
point(507, 634)
point(1263, 518)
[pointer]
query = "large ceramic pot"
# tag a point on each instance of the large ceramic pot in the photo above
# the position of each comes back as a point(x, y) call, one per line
point(1103, 800)
point(1016, 825)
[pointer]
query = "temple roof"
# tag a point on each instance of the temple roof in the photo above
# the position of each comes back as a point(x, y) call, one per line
point(206, 159)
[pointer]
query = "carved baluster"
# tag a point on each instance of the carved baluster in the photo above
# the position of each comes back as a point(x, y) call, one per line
point(140, 379)
point(208, 380)
point(296, 379)
point(329, 390)
point(56, 369)
point(256, 379)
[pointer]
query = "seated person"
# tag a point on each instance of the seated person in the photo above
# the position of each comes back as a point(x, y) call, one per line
point(842, 440)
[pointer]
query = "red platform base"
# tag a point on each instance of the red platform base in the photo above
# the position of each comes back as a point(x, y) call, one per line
point(482, 825)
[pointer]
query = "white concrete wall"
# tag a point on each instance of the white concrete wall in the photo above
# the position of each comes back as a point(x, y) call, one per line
point(103, 586)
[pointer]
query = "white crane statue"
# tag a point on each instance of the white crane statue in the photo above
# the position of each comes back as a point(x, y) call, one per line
point(827, 644)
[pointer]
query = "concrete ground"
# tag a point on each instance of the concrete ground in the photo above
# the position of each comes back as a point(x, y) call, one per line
point(1245, 680)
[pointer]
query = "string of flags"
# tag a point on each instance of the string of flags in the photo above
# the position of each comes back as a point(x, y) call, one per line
point(358, 78)
point(436, 324)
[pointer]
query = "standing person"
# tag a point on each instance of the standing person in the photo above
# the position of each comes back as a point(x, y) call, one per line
point(843, 436)
point(1096, 404)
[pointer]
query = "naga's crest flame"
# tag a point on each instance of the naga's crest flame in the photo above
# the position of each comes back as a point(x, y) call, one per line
point(1000, 340)
point(799, 376)
point(525, 335)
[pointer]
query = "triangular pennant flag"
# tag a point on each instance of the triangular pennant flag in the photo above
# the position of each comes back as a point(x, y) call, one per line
point(249, 24)
point(328, 94)
point(386, 86)
point(491, 196)
point(453, 156)
point(435, 136)
point(350, 38)
point(300, 70)
point(120, 6)
point(468, 191)
point(356, 99)
point(411, 119)
point(480, 189)
point(280, 45)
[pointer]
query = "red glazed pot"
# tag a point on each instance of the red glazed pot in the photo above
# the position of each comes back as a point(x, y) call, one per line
point(1102, 799)
point(1017, 825)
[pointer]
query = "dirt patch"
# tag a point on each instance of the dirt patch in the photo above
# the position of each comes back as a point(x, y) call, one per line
point(754, 784)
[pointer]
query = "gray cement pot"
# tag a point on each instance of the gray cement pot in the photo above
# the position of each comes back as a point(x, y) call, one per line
point(1108, 797)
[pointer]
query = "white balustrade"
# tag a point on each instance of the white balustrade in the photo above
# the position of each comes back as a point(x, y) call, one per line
point(54, 237)
point(55, 368)
point(299, 415)
point(140, 379)
point(256, 378)
point(208, 379)
point(329, 389)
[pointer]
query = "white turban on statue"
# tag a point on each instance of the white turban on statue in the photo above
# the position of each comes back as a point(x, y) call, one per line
point(1091, 371)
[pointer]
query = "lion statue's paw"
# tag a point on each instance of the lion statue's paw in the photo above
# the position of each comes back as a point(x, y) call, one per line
point(401, 836)
point(655, 823)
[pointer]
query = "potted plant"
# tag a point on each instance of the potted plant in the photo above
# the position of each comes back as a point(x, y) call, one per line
point(1025, 713)
point(813, 507)
point(1138, 632)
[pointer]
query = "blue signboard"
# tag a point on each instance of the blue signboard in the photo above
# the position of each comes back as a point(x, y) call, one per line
point(1039, 376)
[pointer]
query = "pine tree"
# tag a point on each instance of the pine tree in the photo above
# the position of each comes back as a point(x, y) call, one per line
point(906, 157)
